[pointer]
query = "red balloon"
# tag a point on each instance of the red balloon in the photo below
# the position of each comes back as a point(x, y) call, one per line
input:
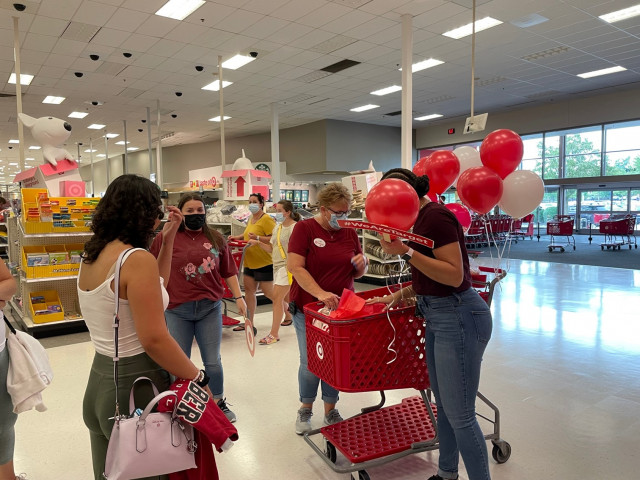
point(502, 151)
point(392, 202)
point(442, 168)
point(480, 189)
point(461, 213)
point(419, 167)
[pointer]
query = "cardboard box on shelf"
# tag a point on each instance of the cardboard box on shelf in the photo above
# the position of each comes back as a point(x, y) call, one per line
point(363, 182)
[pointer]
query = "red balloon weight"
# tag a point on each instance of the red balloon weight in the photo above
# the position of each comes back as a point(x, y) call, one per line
point(419, 167)
point(442, 168)
point(502, 151)
point(394, 203)
point(480, 189)
point(461, 213)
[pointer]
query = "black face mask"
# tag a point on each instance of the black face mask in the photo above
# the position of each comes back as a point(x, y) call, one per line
point(194, 221)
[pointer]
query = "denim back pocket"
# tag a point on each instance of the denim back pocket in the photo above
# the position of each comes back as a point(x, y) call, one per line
point(484, 325)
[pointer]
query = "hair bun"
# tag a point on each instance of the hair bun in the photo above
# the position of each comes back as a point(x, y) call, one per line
point(422, 185)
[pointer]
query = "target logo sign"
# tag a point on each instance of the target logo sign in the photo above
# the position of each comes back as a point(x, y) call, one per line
point(319, 351)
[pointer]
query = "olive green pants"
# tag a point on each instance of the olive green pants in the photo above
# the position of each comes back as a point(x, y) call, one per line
point(100, 396)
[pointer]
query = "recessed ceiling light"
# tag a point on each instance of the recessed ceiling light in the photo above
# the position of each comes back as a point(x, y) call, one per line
point(215, 85)
point(424, 64)
point(466, 30)
point(179, 9)
point(364, 108)
point(24, 79)
point(217, 119)
point(96, 126)
point(54, 100)
point(428, 117)
point(101, 155)
point(121, 142)
point(88, 150)
point(13, 140)
point(35, 147)
point(132, 149)
point(623, 14)
point(237, 61)
point(604, 71)
point(78, 114)
point(112, 135)
point(387, 90)
point(29, 158)
point(13, 164)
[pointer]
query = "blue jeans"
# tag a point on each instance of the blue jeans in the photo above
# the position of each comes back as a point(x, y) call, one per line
point(458, 328)
point(307, 381)
point(202, 319)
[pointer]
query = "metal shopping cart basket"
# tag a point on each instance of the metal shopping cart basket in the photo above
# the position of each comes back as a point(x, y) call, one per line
point(561, 225)
point(621, 226)
point(353, 356)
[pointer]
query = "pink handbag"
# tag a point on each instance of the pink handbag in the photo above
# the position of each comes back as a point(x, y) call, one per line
point(152, 443)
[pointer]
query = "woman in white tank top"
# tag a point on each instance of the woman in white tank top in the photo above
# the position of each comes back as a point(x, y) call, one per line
point(126, 218)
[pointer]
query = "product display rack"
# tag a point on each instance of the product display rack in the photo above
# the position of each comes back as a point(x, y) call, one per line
point(65, 286)
point(4, 242)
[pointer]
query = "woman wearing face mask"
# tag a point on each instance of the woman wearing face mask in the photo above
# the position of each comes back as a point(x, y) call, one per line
point(324, 260)
point(200, 261)
point(286, 219)
point(258, 268)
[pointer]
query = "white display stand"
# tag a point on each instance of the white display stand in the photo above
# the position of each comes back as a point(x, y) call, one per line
point(63, 180)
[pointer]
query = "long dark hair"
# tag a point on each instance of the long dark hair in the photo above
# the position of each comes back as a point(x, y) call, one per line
point(259, 196)
point(214, 236)
point(287, 206)
point(127, 212)
point(419, 183)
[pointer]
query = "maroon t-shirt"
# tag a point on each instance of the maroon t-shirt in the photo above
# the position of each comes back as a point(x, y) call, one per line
point(327, 258)
point(197, 268)
point(438, 223)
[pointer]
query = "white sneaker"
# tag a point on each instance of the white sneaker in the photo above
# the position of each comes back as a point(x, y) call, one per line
point(332, 417)
point(303, 421)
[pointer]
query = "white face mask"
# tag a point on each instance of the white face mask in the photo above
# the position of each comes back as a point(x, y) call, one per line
point(254, 207)
point(279, 217)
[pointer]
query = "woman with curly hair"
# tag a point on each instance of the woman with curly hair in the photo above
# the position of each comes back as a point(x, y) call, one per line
point(201, 264)
point(124, 221)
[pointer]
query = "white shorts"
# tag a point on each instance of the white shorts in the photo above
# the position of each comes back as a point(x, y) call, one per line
point(280, 277)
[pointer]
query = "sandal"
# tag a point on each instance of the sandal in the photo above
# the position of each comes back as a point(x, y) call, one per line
point(268, 340)
point(240, 328)
point(286, 322)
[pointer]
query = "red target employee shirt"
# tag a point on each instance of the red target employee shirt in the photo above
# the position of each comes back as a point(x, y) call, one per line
point(438, 223)
point(327, 258)
point(197, 268)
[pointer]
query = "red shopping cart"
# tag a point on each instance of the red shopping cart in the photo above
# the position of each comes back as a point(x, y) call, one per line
point(618, 230)
point(237, 252)
point(561, 225)
point(377, 353)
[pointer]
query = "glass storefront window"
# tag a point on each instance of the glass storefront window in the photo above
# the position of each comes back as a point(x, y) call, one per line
point(584, 165)
point(532, 157)
point(620, 200)
point(551, 167)
point(582, 149)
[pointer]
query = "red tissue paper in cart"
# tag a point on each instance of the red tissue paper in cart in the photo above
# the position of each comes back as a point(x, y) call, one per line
point(352, 306)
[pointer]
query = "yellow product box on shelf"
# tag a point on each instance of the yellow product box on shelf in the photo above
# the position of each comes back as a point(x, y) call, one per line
point(45, 307)
point(56, 214)
point(51, 260)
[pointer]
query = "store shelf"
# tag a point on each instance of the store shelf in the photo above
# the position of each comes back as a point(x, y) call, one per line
point(46, 279)
point(373, 258)
point(39, 330)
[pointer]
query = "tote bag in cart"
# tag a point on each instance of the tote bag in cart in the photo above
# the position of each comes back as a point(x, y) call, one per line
point(153, 443)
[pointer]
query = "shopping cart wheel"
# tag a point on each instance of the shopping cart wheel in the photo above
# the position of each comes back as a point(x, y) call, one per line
point(574, 247)
point(501, 451)
point(362, 475)
point(561, 249)
point(550, 249)
point(602, 247)
point(330, 451)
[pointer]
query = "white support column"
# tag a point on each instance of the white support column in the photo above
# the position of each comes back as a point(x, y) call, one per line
point(275, 153)
point(159, 151)
point(107, 162)
point(16, 56)
point(125, 168)
point(149, 142)
point(221, 96)
point(91, 158)
point(407, 92)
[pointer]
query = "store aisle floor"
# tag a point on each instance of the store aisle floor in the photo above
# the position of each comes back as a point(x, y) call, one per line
point(563, 366)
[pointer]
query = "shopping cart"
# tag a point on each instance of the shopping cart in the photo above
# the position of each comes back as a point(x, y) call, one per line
point(561, 225)
point(378, 353)
point(237, 252)
point(616, 226)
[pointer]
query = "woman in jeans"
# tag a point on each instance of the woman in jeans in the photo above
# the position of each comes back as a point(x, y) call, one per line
point(125, 220)
point(324, 260)
point(458, 328)
point(200, 262)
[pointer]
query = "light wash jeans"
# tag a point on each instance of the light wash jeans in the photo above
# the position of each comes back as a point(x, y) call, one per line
point(202, 319)
point(458, 328)
point(307, 381)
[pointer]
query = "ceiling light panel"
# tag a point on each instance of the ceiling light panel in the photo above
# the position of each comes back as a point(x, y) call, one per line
point(217, 119)
point(25, 79)
point(387, 90)
point(96, 126)
point(620, 15)
point(466, 30)
point(424, 64)
point(215, 85)
point(428, 117)
point(604, 71)
point(237, 61)
point(35, 147)
point(179, 9)
point(78, 114)
point(54, 100)
point(112, 135)
point(364, 108)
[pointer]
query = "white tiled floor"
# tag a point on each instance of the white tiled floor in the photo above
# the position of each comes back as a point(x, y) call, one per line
point(563, 366)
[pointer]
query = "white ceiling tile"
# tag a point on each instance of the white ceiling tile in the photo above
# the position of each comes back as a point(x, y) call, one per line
point(41, 43)
point(265, 7)
point(93, 13)
point(313, 38)
point(52, 72)
point(186, 32)
point(127, 20)
point(48, 26)
point(324, 15)
point(166, 48)
point(349, 20)
point(238, 21)
point(380, 7)
point(138, 43)
point(109, 37)
point(296, 9)
point(69, 47)
point(266, 27)
point(148, 6)
point(64, 9)
point(61, 61)
point(193, 53)
point(157, 26)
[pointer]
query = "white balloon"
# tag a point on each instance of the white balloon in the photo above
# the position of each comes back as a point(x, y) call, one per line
point(522, 193)
point(469, 157)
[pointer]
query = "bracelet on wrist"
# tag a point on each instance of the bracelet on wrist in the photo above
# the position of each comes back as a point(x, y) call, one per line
point(202, 379)
point(237, 298)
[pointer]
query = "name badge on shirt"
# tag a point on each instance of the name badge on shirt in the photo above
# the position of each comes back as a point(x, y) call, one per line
point(319, 242)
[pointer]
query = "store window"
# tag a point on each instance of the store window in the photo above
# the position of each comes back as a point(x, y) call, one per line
point(532, 157)
point(583, 152)
point(622, 156)
point(548, 208)
point(551, 167)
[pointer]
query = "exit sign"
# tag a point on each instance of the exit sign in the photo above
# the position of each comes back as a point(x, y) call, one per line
point(451, 131)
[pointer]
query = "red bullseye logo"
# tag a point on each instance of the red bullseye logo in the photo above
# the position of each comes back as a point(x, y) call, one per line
point(319, 351)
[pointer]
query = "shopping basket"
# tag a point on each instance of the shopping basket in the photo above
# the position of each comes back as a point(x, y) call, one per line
point(616, 226)
point(561, 225)
point(376, 353)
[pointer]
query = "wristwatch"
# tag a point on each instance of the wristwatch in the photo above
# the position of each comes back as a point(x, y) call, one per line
point(407, 256)
point(202, 380)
